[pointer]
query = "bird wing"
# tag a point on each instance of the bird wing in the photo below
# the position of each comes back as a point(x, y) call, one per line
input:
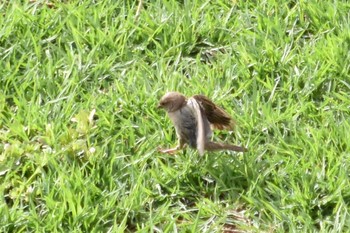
point(217, 117)
point(193, 104)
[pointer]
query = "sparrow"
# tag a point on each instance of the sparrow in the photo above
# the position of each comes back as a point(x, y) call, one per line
point(194, 118)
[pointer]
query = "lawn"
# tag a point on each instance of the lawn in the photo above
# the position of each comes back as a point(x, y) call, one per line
point(80, 130)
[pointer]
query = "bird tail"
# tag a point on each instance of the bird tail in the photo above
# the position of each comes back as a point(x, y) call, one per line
point(210, 146)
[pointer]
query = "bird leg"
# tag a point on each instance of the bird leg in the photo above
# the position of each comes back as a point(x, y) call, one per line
point(210, 146)
point(169, 151)
point(173, 150)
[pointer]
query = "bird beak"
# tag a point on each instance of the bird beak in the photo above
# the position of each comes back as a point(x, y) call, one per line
point(159, 106)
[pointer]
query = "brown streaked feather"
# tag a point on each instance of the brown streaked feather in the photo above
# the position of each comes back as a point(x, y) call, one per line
point(218, 118)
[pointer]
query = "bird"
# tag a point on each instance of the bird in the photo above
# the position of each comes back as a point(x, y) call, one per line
point(194, 118)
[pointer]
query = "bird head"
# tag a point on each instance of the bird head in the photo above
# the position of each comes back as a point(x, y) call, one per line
point(172, 101)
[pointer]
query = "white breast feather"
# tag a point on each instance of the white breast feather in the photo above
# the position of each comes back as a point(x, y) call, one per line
point(192, 103)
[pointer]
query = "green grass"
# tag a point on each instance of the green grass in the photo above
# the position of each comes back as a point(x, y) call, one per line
point(79, 128)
